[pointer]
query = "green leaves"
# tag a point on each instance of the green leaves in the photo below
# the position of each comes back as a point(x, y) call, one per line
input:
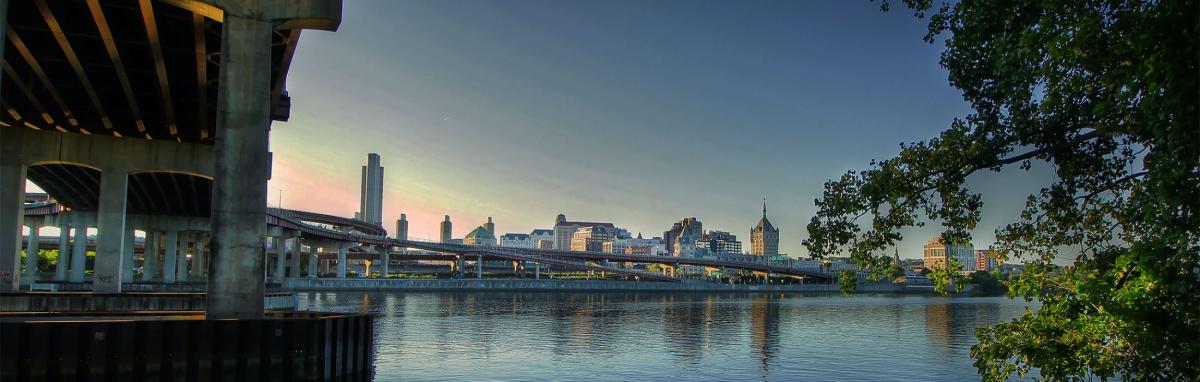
point(1108, 94)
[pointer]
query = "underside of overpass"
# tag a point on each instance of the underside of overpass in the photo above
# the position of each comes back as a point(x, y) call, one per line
point(122, 108)
point(125, 68)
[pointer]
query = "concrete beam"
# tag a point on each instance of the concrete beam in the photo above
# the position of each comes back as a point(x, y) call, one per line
point(109, 153)
point(286, 14)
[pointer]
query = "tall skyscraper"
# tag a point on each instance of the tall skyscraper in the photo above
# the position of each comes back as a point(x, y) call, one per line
point(402, 227)
point(446, 232)
point(764, 238)
point(370, 204)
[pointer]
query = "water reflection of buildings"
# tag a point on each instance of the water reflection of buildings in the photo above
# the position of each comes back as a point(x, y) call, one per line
point(682, 320)
point(764, 327)
point(950, 327)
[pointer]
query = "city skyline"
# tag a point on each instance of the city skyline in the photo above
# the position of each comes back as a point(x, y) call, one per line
point(467, 139)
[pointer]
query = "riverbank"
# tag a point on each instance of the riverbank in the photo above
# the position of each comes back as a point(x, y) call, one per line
point(325, 284)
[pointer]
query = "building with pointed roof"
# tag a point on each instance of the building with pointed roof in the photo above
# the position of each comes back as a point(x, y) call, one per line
point(764, 237)
point(480, 236)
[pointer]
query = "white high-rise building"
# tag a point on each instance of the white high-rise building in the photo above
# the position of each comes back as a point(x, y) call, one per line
point(370, 205)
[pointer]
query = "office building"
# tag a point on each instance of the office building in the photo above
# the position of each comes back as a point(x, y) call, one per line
point(564, 230)
point(516, 240)
point(682, 237)
point(446, 230)
point(985, 261)
point(591, 238)
point(720, 242)
point(370, 204)
point(937, 251)
point(402, 227)
point(764, 237)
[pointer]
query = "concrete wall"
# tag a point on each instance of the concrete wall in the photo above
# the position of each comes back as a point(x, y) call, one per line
point(125, 302)
point(305, 284)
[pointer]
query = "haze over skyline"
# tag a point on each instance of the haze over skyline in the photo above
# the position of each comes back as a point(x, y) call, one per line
point(634, 113)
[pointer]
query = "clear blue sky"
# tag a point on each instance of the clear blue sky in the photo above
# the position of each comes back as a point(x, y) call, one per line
point(639, 113)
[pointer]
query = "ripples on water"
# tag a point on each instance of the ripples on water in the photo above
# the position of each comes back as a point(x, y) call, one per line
point(653, 336)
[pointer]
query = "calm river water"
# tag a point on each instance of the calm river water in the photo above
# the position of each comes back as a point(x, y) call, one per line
point(655, 336)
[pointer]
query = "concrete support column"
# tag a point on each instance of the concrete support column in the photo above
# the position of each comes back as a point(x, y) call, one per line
point(127, 256)
point(341, 266)
point(200, 255)
point(240, 186)
point(170, 256)
point(479, 267)
point(294, 252)
point(79, 254)
point(12, 208)
point(386, 259)
point(280, 260)
point(110, 232)
point(312, 264)
point(64, 253)
point(150, 264)
point(181, 260)
point(537, 271)
point(31, 252)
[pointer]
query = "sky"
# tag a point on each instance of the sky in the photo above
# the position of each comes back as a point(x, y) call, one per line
point(632, 112)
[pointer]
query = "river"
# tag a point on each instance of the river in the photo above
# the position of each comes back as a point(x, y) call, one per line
point(523, 336)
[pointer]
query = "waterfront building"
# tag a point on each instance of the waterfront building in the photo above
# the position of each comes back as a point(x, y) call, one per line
point(720, 242)
point(538, 234)
point(480, 236)
point(937, 251)
point(516, 240)
point(764, 237)
point(591, 238)
point(491, 227)
point(616, 245)
point(446, 231)
point(402, 227)
point(985, 261)
point(649, 247)
point(370, 203)
point(682, 237)
point(564, 230)
point(545, 244)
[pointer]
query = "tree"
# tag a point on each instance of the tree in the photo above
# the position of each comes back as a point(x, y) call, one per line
point(1106, 94)
point(988, 283)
